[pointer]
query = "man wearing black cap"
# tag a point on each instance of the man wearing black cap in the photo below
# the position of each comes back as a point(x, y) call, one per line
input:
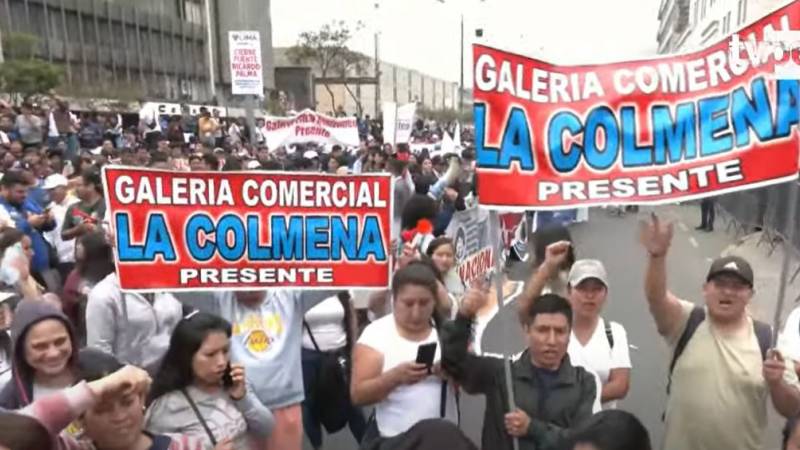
point(721, 369)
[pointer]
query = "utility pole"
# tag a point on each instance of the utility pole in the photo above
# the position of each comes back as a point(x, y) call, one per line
point(461, 84)
point(212, 83)
point(377, 64)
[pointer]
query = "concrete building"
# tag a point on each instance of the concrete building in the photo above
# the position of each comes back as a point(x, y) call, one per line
point(398, 84)
point(159, 49)
point(686, 25)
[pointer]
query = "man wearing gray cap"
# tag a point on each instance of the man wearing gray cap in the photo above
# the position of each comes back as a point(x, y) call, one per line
point(595, 344)
point(722, 368)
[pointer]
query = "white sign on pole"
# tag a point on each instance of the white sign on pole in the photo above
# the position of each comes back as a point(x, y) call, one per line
point(245, 63)
point(310, 126)
point(398, 122)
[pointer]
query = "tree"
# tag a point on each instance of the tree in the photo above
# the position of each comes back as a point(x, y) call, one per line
point(327, 49)
point(22, 72)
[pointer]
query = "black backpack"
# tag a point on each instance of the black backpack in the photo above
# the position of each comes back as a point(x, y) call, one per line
point(762, 330)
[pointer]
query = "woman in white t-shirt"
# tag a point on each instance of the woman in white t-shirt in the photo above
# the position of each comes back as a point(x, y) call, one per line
point(385, 372)
point(594, 344)
point(329, 330)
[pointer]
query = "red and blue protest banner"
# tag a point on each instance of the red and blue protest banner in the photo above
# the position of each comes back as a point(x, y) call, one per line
point(246, 230)
point(638, 132)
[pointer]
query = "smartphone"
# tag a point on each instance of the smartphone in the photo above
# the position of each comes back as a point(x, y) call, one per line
point(227, 379)
point(426, 353)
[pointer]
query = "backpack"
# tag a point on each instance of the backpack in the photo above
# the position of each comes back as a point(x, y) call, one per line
point(609, 335)
point(762, 330)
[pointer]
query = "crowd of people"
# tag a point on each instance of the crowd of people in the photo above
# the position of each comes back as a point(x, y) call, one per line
point(84, 364)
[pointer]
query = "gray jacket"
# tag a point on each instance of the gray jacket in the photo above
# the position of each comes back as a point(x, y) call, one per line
point(129, 326)
point(172, 414)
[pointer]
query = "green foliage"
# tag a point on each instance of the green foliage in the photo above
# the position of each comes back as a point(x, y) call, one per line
point(29, 76)
point(20, 45)
point(22, 72)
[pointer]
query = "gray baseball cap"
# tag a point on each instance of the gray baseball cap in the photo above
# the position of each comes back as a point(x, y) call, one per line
point(583, 269)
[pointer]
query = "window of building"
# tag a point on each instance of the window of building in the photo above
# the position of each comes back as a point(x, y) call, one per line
point(192, 11)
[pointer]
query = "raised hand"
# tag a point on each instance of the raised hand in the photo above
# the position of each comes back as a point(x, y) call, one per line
point(556, 253)
point(655, 236)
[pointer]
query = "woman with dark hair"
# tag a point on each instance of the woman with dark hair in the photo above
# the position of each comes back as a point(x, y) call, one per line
point(199, 392)
point(542, 238)
point(39, 426)
point(329, 334)
point(94, 260)
point(385, 371)
point(442, 252)
point(612, 430)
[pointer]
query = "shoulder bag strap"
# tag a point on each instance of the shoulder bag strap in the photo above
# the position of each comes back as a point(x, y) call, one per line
point(311, 335)
point(199, 417)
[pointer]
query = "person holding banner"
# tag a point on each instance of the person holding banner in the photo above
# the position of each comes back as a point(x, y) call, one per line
point(722, 366)
point(267, 339)
point(595, 344)
point(552, 396)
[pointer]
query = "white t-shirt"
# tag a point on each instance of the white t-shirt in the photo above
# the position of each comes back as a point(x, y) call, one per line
point(406, 405)
point(326, 321)
point(789, 339)
point(598, 356)
point(152, 122)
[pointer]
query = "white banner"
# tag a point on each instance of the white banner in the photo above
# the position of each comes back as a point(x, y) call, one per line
point(398, 122)
point(310, 126)
point(176, 109)
point(245, 63)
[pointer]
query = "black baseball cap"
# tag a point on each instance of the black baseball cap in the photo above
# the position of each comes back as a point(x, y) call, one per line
point(733, 265)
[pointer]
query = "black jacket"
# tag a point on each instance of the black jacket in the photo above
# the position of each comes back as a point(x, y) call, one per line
point(553, 411)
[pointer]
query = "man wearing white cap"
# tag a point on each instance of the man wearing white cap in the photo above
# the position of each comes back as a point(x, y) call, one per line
point(596, 344)
point(61, 200)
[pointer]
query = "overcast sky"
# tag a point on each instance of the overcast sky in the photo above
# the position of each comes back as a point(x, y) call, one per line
point(424, 34)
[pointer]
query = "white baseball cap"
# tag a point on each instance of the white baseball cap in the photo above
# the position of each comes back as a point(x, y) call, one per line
point(310, 154)
point(55, 180)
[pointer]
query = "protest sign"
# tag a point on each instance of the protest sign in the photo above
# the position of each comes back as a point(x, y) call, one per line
point(648, 131)
point(471, 232)
point(311, 126)
point(398, 122)
point(244, 230)
point(245, 59)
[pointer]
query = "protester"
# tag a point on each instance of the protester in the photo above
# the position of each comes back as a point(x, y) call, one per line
point(385, 373)
point(442, 252)
point(328, 338)
point(30, 127)
point(199, 392)
point(707, 214)
point(542, 238)
point(38, 426)
point(595, 344)
point(8, 301)
point(85, 216)
point(45, 353)
point(61, 199)
point(715, 346)
point(611, 430)
point(266, 338)
point(116, 421)
point(552, 396)
point(15, 248)
point(31, 220)
point(134, 328)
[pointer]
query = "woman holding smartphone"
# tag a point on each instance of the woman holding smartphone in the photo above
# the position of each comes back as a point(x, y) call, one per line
point(392, 372)
point(198, 392)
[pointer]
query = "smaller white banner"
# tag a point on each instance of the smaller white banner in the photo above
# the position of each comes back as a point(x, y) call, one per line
point(310, 126)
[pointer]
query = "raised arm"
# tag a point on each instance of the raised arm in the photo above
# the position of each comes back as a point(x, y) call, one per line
point(664, 306)
point(555, 255)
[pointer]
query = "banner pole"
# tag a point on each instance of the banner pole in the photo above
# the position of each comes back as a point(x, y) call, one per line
point(787, 255)
point(498, 279)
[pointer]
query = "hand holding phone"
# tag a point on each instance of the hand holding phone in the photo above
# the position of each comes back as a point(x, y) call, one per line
point(426, 354)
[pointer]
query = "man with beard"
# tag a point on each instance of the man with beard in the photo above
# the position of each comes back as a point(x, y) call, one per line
point(28, 217)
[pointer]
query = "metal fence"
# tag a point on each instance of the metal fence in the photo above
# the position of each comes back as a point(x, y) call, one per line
point(764, 209)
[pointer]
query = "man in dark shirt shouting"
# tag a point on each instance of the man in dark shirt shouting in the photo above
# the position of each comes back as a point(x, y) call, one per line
point(551, 395)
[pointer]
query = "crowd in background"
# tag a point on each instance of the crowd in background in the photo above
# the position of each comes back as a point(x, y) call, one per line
point(253, 370)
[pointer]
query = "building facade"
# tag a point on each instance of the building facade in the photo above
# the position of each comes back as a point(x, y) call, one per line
point(686, 25)
point(397, 84)
point(170, 50)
